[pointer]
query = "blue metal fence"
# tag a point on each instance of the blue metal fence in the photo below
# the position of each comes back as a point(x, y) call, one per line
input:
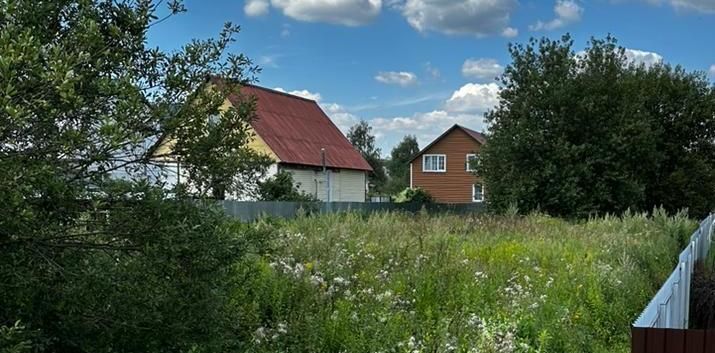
point(670, 307)
point(253, 210)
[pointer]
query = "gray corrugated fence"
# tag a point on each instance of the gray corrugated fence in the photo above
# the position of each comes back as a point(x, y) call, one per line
point(253, 210)
point(669, 307)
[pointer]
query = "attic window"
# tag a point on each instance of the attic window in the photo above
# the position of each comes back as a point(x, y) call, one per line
point(434, 163)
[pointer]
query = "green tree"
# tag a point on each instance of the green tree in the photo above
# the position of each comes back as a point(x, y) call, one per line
point(577, 134)
point(281, 187)
point(399, 163)
point(89, 263)
point(360, 135)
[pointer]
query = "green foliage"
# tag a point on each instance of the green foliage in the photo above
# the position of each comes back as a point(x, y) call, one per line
point(360, 136)
point(399, 164)
point(140, 272)
point(578, 134)
point(350, 283)
point(417, 195)
point(17, 339)
point(281, 187)
point(93, 265)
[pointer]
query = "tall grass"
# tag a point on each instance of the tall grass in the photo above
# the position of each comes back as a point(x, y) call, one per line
point(394, 282)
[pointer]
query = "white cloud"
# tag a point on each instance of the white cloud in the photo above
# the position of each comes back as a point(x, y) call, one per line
point(432, 71)
point(635, 56)
point(426, 126)
point(343, 12)
point(341, 117)
point(472, 104)
point(473, 98)
point(256, 7)
point(711, 71)
point(697, 5)
point(510, 32)
point(643, 57)
point(707, 6)
point(466, 107)
point(486, 69)
point(285, 32)
point(336, 112)
point(301, 93)
point(471, 17)
point(401, 78)
point(567, 12)
point(269, 61)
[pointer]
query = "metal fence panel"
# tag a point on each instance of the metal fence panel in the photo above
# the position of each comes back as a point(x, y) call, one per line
point(670, 307)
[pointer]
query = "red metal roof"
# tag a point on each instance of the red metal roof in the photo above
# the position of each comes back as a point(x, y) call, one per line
point(474, 134)
point(295, 128)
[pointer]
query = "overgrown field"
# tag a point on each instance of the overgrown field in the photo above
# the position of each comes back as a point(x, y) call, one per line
point(418, 283)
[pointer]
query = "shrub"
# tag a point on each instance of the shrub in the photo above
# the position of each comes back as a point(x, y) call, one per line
point(151, 275)
point(281, 187)
point(416, 195)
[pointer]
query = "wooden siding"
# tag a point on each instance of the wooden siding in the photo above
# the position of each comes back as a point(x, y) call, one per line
point(657, 340)
point(454, 185)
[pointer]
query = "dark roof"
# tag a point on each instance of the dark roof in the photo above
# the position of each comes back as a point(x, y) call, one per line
point(477, 136)
point(296, 129)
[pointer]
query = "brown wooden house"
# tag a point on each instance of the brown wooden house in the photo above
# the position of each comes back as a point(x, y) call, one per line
point(443, 169)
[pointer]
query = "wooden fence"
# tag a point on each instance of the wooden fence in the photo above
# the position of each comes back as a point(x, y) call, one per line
point(253, 210)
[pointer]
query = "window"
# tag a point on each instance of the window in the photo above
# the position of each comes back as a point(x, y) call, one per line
point(477, 193)
point(471, 158)
point(434, 163)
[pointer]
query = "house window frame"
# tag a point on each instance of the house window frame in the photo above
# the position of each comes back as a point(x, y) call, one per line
point(424, 159)
point(474, 192)
point(467, 164)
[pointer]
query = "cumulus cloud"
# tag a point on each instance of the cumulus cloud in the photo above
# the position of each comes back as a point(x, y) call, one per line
point(635, 56)
point(343, 12)
point(465, 107)
point(470, 17)
point(426, 126)
point(336, 112)
point(301, 93)
point(486, 69)
point(567, 12)
point(341, 117)
point(256, 7)
point(711, 71)
point(643, 57)
point(400, 78)
point(473, 97)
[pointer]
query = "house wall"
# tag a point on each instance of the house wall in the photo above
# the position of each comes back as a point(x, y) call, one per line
point(257, 143)
point(345, 184)
point(454, 185)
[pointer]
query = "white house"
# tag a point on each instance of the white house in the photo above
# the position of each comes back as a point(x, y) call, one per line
point(301, 139)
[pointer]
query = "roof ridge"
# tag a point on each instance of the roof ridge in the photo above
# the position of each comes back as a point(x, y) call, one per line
point(466, 130)
point(472, 130)
point(280, 92)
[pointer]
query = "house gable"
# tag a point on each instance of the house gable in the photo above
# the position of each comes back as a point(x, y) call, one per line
point(455, 183)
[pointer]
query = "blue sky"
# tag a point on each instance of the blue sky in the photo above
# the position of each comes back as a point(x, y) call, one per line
point(419, 66)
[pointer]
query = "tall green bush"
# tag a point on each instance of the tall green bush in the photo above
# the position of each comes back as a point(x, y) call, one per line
point(590, 133)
